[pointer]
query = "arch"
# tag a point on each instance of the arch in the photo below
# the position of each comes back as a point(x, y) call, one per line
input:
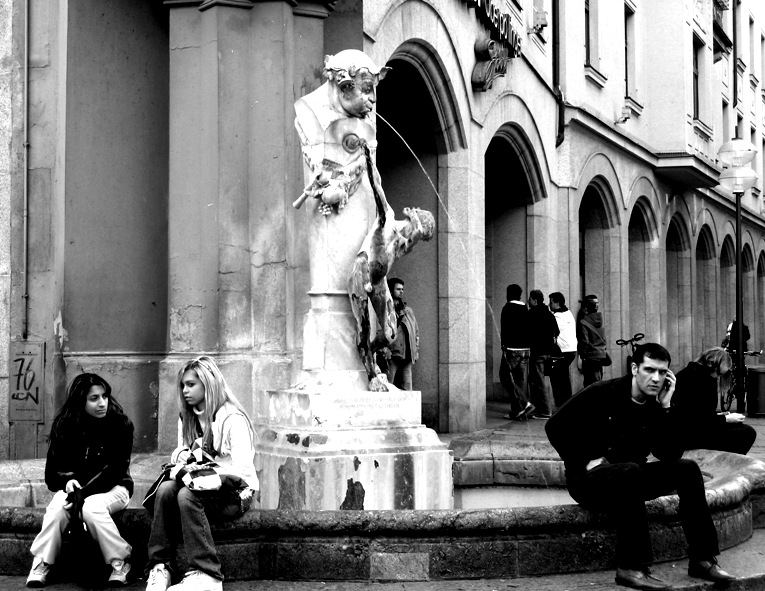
point(681, 237)
point(386, 38)
point(509, 113)
point(599, 171)
point(749, 284)
point(705, 219)
point(424, 58)
point(758, 341)
point(705, 320)
point(727, 281)
point(520, 143)
point(643, 266)
point(643, 194)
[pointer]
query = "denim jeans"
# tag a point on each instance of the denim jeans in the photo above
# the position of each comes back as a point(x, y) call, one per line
point(513, 375)
point(181, 515)
point(400, 373)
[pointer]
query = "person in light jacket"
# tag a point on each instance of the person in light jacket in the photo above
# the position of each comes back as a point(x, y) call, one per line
point(560, 377)
point(213, 421)
point(404, 351)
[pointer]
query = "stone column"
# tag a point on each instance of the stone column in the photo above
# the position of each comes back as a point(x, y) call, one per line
point(209, 300)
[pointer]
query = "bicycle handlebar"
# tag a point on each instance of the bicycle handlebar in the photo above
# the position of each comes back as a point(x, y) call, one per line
point(635, 338)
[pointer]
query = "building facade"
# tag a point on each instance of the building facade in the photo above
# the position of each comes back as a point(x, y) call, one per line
point(152, 162)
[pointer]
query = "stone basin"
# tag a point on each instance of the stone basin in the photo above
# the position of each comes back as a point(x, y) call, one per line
point(444, 544)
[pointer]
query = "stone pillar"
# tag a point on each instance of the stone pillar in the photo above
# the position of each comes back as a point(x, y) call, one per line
point(209, 229)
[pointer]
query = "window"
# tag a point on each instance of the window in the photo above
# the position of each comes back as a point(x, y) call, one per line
point(630, 83)
point(752, 39)
point(587, 26)
point(591, 51)
point(698, 47)
point(725, 121)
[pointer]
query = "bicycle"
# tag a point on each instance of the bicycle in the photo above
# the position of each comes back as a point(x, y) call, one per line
point(633, 343)
point(727, 398)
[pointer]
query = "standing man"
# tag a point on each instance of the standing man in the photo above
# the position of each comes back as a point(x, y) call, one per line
point(560, 378)
point(404, 351)
point(591, 341)
point(514, 367)
point(604, 435)
point(542, 332)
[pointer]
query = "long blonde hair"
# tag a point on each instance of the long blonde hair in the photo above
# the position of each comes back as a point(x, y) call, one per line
point(712, 359)
point(217, 393)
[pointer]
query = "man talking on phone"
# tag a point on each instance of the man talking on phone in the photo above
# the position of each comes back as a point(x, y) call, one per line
point(604, 434)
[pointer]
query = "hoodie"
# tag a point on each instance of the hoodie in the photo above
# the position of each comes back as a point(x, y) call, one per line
point(591, 338)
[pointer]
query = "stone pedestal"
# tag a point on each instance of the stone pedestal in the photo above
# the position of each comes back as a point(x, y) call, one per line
point(353, 449)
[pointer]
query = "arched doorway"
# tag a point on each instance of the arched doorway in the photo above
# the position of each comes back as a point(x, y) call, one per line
point(748, 280)
point(598, 257)
point(706, 294)
point(759, 338)
point(406, 185)
point(727, 287)
point(678, 322)
point(642, 268)
point(507, 157)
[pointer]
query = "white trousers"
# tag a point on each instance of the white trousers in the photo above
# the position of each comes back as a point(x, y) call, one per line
point(96, 513)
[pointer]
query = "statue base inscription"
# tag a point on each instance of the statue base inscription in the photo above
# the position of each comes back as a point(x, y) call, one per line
point(349, 450)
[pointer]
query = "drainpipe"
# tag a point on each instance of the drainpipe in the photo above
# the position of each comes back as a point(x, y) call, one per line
point(735, 56)
point(25, 174)
point(556, 73)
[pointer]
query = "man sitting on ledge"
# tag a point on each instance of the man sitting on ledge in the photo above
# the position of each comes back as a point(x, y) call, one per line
point(604, 435)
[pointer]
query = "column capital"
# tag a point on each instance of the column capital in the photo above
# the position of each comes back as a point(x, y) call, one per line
point(313, 8)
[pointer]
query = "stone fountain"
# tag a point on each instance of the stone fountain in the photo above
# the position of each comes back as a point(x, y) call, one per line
point(342, 437)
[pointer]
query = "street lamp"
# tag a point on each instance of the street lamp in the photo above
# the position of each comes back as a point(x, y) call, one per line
point(737, 178)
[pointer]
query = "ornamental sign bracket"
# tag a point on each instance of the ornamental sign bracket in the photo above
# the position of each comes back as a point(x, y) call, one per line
point(493, 53)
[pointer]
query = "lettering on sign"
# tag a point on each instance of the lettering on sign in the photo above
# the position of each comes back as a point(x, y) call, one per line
point(26, 382)
point(499, 23)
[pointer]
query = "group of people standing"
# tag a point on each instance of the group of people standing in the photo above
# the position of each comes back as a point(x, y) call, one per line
point(539, 341)
point(88, 469)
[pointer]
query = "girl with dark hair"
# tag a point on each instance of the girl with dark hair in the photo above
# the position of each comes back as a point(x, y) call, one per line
point(212, 424)
point(88, 469)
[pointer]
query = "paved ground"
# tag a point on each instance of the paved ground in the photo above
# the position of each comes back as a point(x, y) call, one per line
point(746, 560)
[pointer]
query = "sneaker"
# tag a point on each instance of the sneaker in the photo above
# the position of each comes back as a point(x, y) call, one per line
point(527, 411)
point(120, 570)
point(38, 576)
point(158, 579)
point(196, 580)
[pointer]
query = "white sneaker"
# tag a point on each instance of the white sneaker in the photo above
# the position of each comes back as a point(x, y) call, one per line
point(120, 570)
point(196, 580)
point(159, 578)
point(38, 576)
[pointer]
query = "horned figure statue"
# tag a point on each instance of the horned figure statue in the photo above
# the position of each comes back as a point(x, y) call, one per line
point(336, 124)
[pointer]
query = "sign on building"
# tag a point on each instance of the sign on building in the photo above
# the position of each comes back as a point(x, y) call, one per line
point(26, 382)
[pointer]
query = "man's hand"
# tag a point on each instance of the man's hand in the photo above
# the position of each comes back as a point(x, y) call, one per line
point(665, 395)
point(595, 463)
point(734, 417)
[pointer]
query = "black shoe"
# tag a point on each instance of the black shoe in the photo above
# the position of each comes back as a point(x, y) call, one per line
point(709, 570)
point(639, 579)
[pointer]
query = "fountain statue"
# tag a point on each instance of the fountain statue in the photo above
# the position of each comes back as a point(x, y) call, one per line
point(336, 124)
point(342, 436)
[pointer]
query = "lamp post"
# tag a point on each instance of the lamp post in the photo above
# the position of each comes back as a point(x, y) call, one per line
point(737, 178)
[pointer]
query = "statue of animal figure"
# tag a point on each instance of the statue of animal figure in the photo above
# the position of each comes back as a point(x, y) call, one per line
point(371, 302)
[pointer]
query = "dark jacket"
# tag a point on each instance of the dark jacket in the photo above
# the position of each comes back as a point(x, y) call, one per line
point(96, 450)
point(543, 328)
point(406, 345)
point(603, 421)
point(695, 399)
point(591, 340)
point(515, 325)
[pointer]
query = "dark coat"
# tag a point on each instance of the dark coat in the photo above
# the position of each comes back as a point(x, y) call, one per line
point(96, 450)
point(695, 400)
point(602, 420)
point(543, 328)
point(515, 325)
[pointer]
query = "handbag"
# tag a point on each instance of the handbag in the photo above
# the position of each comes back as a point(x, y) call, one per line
point(148, 499)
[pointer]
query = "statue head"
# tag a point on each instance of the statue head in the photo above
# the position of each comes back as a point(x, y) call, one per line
point(353, 77)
